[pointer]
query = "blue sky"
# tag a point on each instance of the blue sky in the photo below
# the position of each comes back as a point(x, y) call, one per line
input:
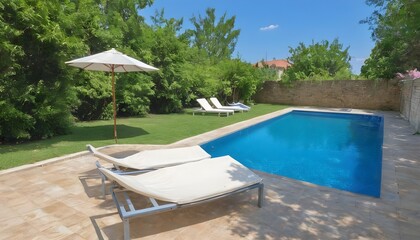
point(270, 27)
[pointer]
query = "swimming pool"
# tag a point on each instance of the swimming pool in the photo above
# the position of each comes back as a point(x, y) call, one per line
point(338, 150)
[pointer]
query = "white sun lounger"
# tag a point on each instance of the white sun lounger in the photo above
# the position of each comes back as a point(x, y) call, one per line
point(218, 105)
point(182, 185)
point(207, 108)
point(149, 160)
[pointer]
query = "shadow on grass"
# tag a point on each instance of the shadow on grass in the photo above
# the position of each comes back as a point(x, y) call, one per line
point(81, 134)
point(105, 132)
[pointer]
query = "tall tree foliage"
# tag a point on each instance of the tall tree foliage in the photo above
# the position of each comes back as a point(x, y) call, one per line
point(240, 80)
point(133, 90)
point(168, 54)
point(319, 61)
point(34, 83)
point(217, 39)
point(201, 75)
point(396, 30)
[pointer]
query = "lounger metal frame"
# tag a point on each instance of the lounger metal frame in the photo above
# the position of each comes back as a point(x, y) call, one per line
point(115, 169)
point(202, 111)
point(127, 211)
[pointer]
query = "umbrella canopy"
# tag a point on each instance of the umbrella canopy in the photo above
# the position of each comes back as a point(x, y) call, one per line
point(111, 61)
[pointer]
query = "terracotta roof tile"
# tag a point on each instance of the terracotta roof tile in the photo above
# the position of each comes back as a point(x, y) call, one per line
point(281, 63)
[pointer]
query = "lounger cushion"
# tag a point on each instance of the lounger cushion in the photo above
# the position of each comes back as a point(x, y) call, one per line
point(189, 182)
point(166, 157)
point(158, 158)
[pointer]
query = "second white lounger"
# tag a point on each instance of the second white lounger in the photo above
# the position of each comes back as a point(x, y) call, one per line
point(207, 108)
point(183, 185)
point(218, 105)
point(154, 159)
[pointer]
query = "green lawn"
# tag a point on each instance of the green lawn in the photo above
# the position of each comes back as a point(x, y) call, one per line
point(153, 129)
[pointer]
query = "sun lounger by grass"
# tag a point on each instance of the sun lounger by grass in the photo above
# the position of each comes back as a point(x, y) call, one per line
point(218, 105)
point(207, 108)
point(182, 185)
point(149, 160)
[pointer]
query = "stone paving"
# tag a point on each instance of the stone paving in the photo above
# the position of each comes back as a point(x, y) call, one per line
point(62, 200)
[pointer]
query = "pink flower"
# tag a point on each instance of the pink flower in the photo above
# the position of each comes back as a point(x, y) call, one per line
point(414, 74)
point(411, 74)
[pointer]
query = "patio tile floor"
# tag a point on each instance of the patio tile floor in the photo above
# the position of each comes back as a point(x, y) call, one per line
point(62, 200)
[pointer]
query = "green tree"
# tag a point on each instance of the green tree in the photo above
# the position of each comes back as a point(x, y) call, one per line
point(168, 54)
point(34, 84)
point(396, 31)
point(201, 75)
point(239, 80)
point(133, 90)
point(319, 61)
point(217, 39)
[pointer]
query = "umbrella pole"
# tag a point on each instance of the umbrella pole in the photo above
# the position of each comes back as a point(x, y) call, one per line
point(114, 105)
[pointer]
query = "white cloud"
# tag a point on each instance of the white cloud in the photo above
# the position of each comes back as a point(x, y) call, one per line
point(269, 27)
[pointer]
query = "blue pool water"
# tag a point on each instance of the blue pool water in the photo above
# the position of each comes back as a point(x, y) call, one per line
point(342, 151)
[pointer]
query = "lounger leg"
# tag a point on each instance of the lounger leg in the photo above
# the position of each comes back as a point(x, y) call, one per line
point(103, 179)
point(103, 187)
point(126, 223)
point(260, 195)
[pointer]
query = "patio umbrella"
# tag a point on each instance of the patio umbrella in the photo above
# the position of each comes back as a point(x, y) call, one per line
point(111, 61)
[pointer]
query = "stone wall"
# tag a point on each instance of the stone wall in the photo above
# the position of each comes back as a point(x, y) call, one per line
point(410, 102)
point(377, 95)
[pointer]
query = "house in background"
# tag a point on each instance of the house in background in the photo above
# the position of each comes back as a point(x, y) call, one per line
point(278, 65)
